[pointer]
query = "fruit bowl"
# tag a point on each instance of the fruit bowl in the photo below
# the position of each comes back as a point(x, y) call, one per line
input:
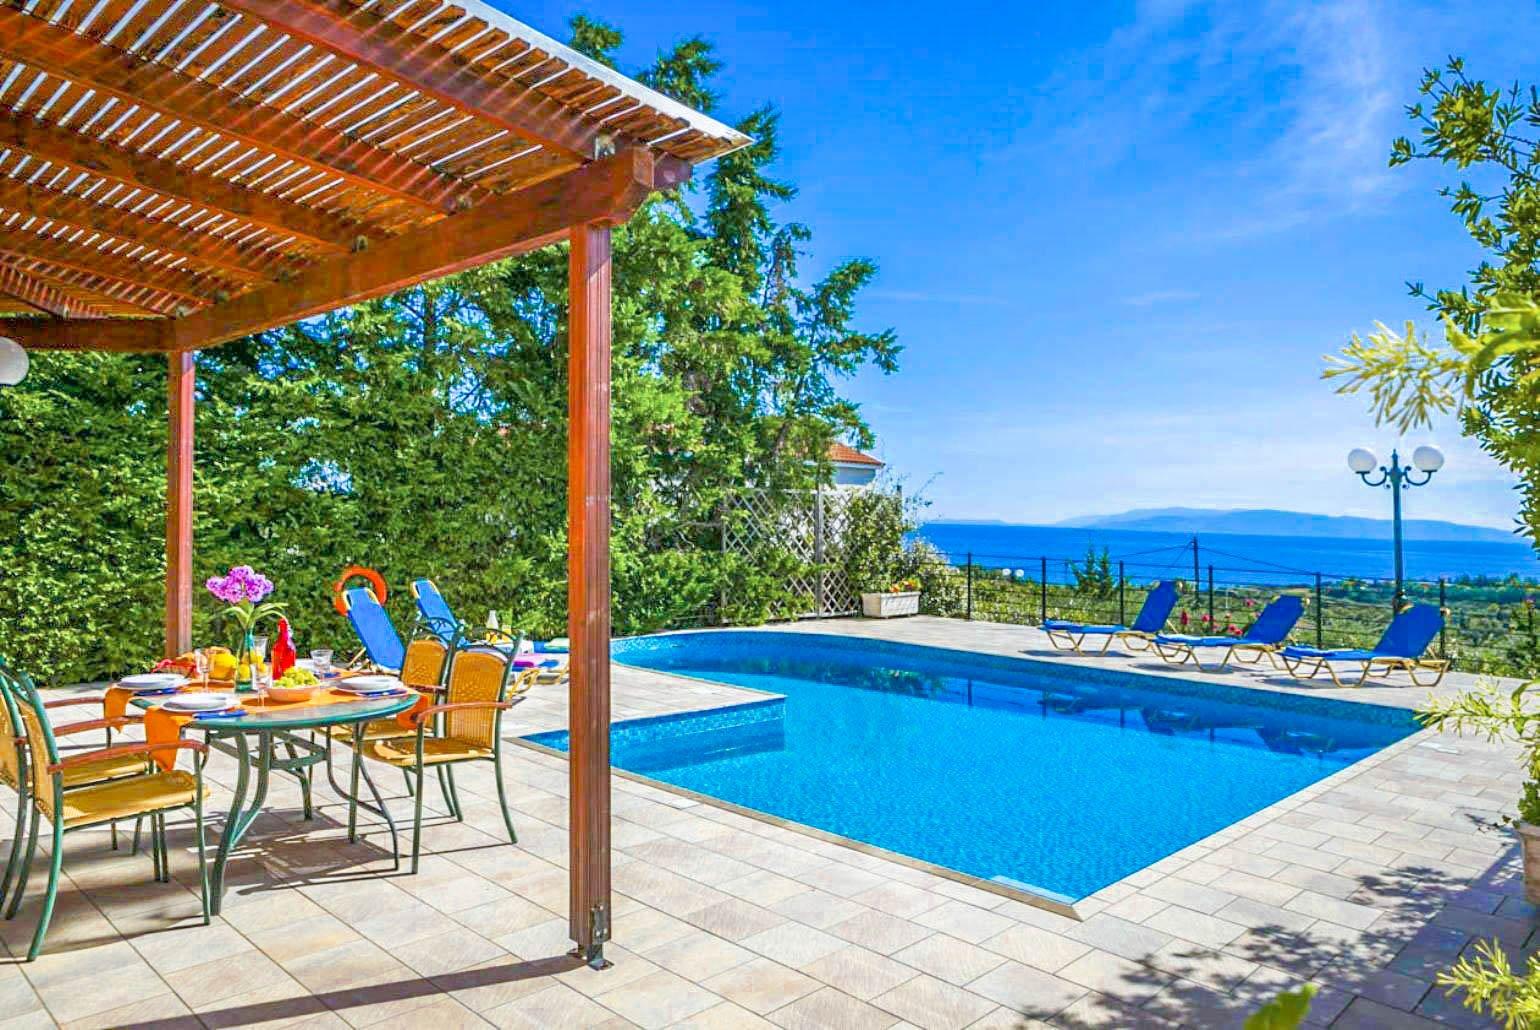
point(297, 692)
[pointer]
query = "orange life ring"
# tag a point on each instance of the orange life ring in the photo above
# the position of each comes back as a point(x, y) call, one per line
point(376, 583)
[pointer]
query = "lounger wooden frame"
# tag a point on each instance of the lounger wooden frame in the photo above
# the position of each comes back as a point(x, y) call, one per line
point(1179, 652)
point(1068, 640)
point(1411, 666)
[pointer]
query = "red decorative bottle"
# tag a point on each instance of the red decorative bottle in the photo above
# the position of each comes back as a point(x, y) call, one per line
point(283, 650)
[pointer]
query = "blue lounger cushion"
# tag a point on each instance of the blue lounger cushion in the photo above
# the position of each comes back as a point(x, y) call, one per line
point(1080, 627)
point(375, 631)
point(1407, 636)
point(1157, 607)
point(1272, 627)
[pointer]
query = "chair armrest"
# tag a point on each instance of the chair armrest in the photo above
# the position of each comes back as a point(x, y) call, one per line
point(127, 751)
point(65, 702)
point(97, 724)
point(421, 717)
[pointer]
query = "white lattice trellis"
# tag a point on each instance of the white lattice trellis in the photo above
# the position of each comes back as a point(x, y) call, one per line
point(810, 525)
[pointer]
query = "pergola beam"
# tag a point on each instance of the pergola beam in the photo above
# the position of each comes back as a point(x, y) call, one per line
point(50, 250)
point(604, 192)
point(145, 300)
point(128, 168)
point(68, 210)
point(36, 293)
point(104, 334)
point(362, 37)
point(68, 55)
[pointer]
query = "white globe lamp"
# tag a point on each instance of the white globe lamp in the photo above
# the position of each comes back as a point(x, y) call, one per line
point(1362, 460)
point(1428, 458)
point(13, 362)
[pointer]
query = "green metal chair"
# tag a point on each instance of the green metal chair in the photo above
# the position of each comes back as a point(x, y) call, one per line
point(147, 794)
point(14, 772)
point(479, 689)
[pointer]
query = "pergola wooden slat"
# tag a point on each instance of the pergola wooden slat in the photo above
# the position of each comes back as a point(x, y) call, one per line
point(174, 176)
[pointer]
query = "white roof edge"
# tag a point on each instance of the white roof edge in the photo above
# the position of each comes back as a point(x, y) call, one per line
point(588, 66)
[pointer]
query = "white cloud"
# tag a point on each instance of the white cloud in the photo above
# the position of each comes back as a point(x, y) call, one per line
point(1152, 297)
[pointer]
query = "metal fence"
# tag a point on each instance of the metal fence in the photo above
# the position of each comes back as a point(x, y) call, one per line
point(1489, 624)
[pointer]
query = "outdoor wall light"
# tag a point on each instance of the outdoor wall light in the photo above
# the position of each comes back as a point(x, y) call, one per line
point(13, 362)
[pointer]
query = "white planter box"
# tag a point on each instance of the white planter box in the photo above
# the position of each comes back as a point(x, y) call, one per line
point(890, 606)
point(1530, 837)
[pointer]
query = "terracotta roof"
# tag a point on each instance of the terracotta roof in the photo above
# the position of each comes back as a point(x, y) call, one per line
point(843, 455)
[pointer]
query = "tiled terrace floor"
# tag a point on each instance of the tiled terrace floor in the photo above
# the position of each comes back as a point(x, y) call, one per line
point(1367, 884)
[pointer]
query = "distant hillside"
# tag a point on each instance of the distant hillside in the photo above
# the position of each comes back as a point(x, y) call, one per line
point(1269, 522)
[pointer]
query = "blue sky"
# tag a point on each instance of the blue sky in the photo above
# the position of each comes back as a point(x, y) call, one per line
point(1115, 238)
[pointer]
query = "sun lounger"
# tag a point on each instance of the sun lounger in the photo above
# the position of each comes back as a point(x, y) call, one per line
point(370, 620)
point(545, 660)
point(1400, 649)
point(1261, 640)
point(1158, 603)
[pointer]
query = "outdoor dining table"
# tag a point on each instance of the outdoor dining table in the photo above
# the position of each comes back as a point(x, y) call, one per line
point(255, 738)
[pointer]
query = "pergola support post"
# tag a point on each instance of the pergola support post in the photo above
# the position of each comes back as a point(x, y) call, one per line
point(179, 504)
point(588, 588)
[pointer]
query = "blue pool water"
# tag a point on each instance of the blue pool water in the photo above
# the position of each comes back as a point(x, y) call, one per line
point(1058, 779)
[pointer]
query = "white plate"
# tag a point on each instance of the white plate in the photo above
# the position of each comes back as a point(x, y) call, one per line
point(368, 684)
point(153, 681)
point(201, 703)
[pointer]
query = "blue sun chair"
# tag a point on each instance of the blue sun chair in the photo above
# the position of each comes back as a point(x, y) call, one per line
point(1400, 649)
point(437, 618)
point(1158, 603)
point(369, 619)
point(434, 613)
point(1262, 638)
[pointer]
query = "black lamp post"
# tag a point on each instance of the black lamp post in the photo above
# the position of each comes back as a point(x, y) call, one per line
point(1395, 475)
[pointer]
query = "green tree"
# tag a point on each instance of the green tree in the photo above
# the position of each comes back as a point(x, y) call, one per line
point(1484, 368)
point(424, 433)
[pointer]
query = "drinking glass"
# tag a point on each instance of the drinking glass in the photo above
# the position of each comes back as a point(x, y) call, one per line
point(321, 658)
point(201, 663)
point(258, 649)
point(261, 680)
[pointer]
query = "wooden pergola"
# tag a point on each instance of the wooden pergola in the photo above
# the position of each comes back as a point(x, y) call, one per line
point(175, 174)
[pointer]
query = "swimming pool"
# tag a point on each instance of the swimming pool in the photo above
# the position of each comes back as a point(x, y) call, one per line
point(1057, 780)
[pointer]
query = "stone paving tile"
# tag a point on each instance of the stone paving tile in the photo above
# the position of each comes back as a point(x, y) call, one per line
point(658, 999)
point(699, 956)
point(1130, 982)
point(934, 1004)
point(1027, 991)
point(858, 972)
point(557, 1006)
point(1130, 940)
point(793, 944)
point(962, 920)
point(882, 932)
point(1370, 881)
point(1195, 926)
point(762, 985)
point(829, 1009)
point(1035, 946)
point(955, 961)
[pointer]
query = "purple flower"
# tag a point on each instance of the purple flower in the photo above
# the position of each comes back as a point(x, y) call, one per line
point(242, 583)
point(258, 587)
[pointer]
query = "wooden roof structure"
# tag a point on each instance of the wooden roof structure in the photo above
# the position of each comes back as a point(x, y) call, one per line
point(175, 174)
